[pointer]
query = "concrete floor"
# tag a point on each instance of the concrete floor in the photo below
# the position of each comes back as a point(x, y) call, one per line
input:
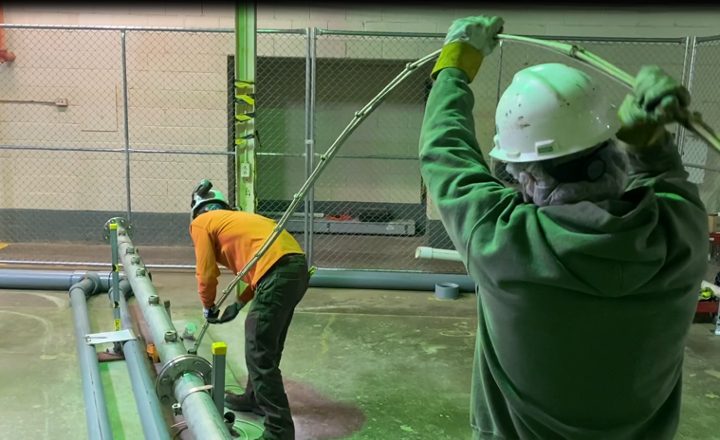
point(357, 365)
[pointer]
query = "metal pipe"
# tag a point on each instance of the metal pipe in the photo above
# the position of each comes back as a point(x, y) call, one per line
point(709, 38)
point(126, 119)
point(361, 279)
point(323, 277)
point(200, 422)
point(144, 28)
point(310, 79)
point(374, 156)
point(498, 92)
point(183, 152)
point(546, 37)
point(61, 149)
point(115, 277)
point(246, 140)
point(181, 372)
point(146, 399)
point(693, 43)
point(429, 253)
point(89, 264)
point(380, 33)
point(48, 279)
point(116, 150)
point(689, 45)
point(96, 414)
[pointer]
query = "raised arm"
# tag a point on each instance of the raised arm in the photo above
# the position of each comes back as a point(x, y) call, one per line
point(458, 179)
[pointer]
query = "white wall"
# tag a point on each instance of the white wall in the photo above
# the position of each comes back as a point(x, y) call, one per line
point(177, 91)
point(646, 21)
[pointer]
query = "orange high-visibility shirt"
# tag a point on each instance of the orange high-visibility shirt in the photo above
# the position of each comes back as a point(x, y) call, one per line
point(232, 238)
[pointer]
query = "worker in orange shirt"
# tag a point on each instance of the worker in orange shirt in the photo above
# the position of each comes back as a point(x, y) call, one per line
point(277, 282)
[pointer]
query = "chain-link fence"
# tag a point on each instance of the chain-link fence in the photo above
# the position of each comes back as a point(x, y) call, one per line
point(370, 203)
point(98, 122)
point(60, 135)
point(705, 90)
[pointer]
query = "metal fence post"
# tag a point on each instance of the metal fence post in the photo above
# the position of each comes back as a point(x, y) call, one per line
point(310, 59)
point(686, 80)
point(126, 133)
point(500, 72)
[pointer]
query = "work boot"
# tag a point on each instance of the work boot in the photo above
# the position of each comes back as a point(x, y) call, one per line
point(243, 403)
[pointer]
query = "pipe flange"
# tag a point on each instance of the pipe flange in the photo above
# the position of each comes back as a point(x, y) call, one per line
point(172, 370)
point(119, 221)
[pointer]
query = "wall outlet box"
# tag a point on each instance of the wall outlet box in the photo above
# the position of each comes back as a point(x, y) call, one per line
point(244, 170)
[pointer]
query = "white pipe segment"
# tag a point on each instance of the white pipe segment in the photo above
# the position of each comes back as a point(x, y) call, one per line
point(428, 253)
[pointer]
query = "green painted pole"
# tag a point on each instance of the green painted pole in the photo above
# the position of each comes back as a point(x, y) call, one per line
point(245, 140)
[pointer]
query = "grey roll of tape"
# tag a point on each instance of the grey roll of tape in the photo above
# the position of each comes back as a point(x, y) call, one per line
point(447, 290)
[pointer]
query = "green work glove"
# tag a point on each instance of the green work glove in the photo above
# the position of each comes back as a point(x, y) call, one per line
point(467, 42)
point(657, 99)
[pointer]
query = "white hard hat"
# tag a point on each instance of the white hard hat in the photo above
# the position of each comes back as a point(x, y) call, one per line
point(202, 195)
point(549, 111)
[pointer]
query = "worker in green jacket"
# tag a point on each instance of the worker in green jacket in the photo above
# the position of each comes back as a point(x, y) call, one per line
point(587, 270)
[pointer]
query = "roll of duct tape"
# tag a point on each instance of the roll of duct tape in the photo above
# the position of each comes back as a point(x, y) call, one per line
point(447, 290)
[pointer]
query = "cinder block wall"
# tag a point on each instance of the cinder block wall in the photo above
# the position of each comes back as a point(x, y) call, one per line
point(178, 97)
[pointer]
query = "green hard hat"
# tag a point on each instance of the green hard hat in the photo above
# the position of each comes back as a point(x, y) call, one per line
point(203, 195)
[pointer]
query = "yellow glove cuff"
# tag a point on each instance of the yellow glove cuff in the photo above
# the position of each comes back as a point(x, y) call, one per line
point(460, 55)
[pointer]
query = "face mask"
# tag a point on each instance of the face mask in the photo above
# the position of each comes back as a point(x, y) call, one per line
point(541, 188)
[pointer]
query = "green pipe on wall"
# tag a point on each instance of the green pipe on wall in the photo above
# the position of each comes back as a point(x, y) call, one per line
point(245, 140)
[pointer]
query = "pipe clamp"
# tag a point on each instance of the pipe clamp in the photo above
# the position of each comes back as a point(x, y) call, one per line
point(175, 368)
point(193, 391)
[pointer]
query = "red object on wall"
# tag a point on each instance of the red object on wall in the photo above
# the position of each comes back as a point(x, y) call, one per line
point(5, 55)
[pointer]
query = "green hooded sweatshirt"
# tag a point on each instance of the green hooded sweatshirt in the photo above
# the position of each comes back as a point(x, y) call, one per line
point(583, 308)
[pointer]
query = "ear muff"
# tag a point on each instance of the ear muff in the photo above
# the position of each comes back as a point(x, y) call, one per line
point(589, 167)
point(595, 169)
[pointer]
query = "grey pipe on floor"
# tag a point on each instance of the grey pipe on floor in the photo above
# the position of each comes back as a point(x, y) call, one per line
point(146, 399)
point(334, 278)
point(96, 415)
point(48, 279)
point(367, 279)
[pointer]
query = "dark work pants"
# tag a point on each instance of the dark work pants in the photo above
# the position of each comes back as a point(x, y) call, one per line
point(266, 326)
